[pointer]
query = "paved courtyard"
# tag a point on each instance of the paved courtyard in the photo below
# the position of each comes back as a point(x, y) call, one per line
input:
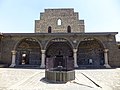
point(32, 79)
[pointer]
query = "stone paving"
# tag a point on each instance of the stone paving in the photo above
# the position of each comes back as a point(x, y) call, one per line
point(32, 79)
point(110, 77)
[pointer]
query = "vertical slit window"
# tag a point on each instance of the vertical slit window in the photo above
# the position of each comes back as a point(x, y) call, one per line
point(69, 29)
point(49, 29)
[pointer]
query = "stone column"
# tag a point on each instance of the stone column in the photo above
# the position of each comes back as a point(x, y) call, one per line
point(43, 59)
point(75, 57)
point(106, 58)
point(13, 58)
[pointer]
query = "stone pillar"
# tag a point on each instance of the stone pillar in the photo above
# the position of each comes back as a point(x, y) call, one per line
point(106, 59)
point(75, 57)
point(43, 59)
point(13, 58)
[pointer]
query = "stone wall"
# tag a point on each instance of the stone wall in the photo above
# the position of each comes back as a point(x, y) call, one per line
point(9, 42)
point(67, 18)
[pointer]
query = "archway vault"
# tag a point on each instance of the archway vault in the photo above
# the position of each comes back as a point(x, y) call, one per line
point(59, 46)
point(28, 52)
point(19, 41)
point(90, 53)
point(90, 39)
point(59, 39)
point(60, 50)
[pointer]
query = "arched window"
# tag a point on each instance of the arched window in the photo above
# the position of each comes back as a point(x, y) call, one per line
point(59, 22)
point(49, 29)
point(69, 29)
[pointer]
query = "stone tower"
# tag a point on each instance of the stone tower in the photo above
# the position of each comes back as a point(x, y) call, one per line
point(59, 21)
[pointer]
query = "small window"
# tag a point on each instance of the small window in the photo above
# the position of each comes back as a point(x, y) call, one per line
point(59, 22)
point(69, 29)
point(49, 29)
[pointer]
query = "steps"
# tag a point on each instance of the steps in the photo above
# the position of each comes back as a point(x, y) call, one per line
point(91, 67)
point(3, 65)
point(28, 66)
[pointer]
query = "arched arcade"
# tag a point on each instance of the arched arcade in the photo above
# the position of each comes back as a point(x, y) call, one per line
point(27, 53)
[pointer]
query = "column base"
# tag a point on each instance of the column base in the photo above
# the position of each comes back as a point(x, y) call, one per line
point(42, 66)
point(75, 65)
point(12, 65)
point(107, 65)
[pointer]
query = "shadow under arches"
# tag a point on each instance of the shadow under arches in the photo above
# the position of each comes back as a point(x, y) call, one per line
point(90, 53)
point(18, 42)
point(87, 39)
point(71, 44)
point(28, 52)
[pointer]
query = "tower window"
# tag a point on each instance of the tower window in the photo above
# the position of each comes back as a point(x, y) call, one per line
point(49, 29)
point(59, 22)
point(69, 29)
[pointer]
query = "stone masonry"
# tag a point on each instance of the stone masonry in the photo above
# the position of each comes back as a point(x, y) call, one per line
point(51, 16)
point(64, 24)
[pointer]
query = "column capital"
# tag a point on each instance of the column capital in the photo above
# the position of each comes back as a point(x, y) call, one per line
point(75, 50)
point(13, 52)
point(43, 51)
point(106, 50)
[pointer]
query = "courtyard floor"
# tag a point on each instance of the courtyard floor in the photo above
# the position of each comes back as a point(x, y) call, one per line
point(85, 79)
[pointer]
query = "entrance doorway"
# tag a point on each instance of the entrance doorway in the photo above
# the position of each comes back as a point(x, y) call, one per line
point(24, 58)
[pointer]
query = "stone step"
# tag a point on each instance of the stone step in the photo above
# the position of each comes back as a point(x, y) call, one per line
point(27, 66)
point(3, 65)
point(91, 67)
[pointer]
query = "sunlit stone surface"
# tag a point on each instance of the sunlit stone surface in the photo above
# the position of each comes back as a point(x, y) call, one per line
point(33, 79)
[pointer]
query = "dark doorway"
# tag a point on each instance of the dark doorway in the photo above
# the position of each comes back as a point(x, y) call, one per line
point(24, 58)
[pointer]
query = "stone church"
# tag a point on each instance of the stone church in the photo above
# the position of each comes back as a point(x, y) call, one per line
point(59, 32)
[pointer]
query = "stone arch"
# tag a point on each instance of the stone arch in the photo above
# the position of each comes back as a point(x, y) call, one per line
point(60, 50)
point(90, 53)
point(60, 45)
point(15, 46)
point(57, 42)
point(85, 39)
point(28, 52)
point(72, 46)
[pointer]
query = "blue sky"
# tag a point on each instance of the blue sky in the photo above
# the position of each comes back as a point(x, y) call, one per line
point(17, 16)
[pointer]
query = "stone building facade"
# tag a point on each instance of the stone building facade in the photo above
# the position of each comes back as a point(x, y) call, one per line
point(59, 21)
point(59, 32)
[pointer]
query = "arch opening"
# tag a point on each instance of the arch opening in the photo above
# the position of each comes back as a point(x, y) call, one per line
point(28, 53)
point(60, 50)
point(90, 53)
